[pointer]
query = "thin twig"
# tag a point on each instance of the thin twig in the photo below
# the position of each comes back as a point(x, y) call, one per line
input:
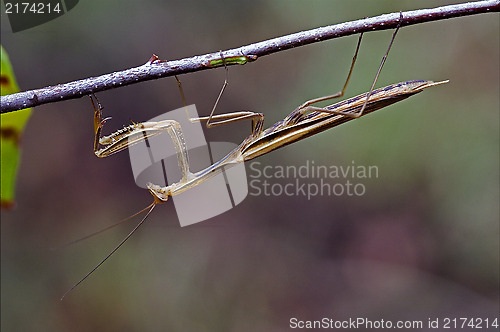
point(154, 68)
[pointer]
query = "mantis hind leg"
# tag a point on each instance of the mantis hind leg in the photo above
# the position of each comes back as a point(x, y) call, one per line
point(296, 115)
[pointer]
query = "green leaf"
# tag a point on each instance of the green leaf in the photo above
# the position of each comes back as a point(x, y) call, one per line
point(12, 125)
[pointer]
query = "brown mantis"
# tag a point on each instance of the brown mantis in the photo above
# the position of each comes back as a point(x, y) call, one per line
point(304, 121)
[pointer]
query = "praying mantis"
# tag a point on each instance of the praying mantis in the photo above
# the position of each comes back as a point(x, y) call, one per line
point(306, 120)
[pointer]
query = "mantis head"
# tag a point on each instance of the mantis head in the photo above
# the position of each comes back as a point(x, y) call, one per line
point(160, 194)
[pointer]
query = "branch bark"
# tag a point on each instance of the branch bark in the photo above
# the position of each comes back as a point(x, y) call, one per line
point(154, 68)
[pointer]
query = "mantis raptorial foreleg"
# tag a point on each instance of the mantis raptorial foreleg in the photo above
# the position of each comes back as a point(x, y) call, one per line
point(135, 133)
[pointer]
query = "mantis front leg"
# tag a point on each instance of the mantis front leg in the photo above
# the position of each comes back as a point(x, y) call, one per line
point(135, 133)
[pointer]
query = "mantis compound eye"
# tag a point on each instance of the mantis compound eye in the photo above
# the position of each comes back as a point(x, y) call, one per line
point(159, 193)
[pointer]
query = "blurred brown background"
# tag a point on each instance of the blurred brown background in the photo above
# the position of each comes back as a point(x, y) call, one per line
point(422, 242)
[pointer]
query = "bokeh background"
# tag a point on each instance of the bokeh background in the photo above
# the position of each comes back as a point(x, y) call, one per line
point(423, 242)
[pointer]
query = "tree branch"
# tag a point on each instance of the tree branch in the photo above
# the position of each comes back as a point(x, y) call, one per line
point(154, 68)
